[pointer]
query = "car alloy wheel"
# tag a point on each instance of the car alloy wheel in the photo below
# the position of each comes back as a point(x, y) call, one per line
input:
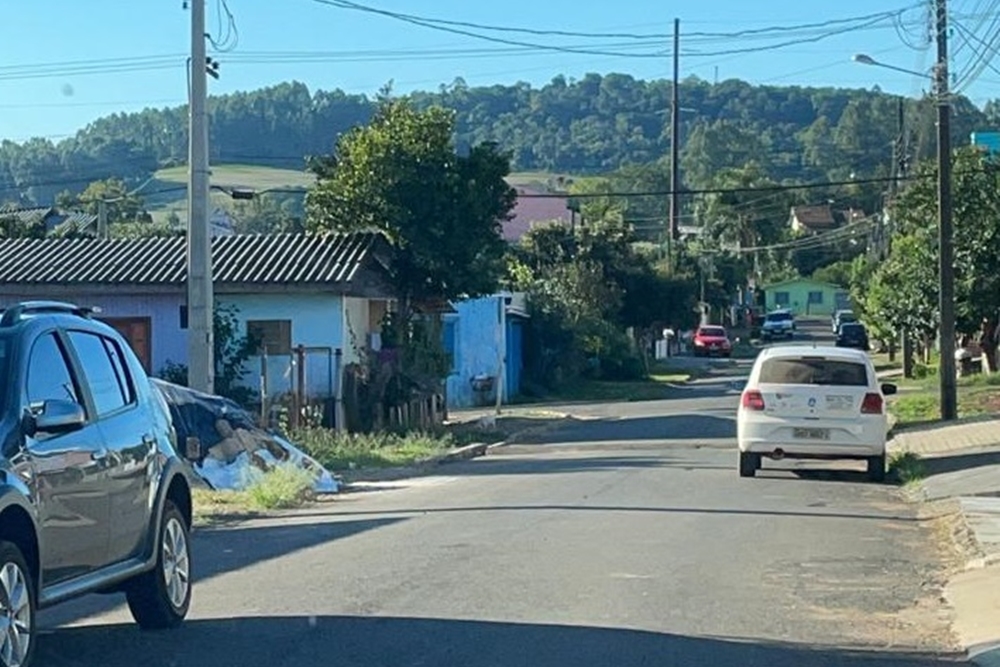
point(176, 563)
point(16, 615)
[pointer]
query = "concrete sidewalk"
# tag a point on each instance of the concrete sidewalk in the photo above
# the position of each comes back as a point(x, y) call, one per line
point(962, 463)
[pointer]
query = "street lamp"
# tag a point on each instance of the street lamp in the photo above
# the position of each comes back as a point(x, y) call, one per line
point(946, 233)
point(865, 59)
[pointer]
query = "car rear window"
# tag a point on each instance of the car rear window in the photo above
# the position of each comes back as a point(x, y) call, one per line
point(779, 317)
point(854, 329)
point(814, 371)
point(717, 332)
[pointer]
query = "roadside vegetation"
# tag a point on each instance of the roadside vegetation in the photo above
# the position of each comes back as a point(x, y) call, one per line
point(906, 468)
point(918, 400)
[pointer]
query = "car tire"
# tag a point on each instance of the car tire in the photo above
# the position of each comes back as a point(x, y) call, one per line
point(876, 469)
point(160, 598)
point(749, 463)
point(18, 591)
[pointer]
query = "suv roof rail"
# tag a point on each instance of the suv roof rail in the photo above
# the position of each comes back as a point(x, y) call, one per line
point(15, 313)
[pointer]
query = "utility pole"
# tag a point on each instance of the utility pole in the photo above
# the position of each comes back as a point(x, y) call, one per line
point(672, 233)
point(946, 260)
point(200, 297)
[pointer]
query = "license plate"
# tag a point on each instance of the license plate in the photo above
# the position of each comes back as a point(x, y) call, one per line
point(812, 433)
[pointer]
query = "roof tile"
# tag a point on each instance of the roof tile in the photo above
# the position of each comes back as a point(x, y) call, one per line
point(239, 259)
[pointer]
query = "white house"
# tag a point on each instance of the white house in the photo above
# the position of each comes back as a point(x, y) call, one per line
point(324, 292)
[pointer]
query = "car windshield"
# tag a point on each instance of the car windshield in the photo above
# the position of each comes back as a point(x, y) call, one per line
point(713, 332)
point(814, 371)
point(779, 317)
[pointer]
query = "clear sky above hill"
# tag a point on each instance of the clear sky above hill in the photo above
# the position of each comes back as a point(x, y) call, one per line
point(64, 63)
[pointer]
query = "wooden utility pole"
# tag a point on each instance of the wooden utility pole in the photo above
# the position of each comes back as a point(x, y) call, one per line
point(672, 232)
point(946, 250)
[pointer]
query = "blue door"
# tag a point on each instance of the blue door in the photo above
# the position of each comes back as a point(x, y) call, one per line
point(515, 356)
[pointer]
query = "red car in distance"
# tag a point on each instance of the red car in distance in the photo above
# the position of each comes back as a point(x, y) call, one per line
point(712, 339)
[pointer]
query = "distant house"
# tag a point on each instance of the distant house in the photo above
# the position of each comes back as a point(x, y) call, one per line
point(53, 219)
point(822, 218)
point(805, 297)
point(532, 209)
point(325, 292)
point(480, 335)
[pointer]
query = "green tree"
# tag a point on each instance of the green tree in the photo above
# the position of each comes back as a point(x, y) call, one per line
point(121, 204)
point(442, 211)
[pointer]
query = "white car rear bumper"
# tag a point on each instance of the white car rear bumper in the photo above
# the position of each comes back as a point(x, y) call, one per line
point(858, 438)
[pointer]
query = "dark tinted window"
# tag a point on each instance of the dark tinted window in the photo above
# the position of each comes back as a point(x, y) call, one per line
point(814, 371)
point(49, 377)
point(779, 317)
point(852, 329)
point(713, 332)
point(110, 391)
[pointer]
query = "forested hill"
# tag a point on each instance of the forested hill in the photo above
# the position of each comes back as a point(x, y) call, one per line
point(595, 124)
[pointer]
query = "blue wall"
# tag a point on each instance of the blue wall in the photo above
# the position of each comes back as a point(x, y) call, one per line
point(470, 336)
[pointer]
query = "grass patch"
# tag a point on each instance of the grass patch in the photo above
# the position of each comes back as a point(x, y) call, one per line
point(919, 400)
point(906, 467)
point(284, 487)
point(349, 451)
point(243, 175)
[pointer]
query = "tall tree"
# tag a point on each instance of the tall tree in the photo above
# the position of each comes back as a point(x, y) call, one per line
point(442, 211)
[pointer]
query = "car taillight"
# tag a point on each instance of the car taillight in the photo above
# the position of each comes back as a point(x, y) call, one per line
point(872, 405)
point(753, 400)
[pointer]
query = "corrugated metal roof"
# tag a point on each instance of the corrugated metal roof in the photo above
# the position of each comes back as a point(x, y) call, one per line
point(240, 259)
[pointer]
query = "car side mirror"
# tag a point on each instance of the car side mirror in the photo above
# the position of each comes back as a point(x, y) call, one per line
point(56, 416)
point(888, 389)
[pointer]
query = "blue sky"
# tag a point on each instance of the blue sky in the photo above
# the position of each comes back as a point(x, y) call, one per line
point(151, 38)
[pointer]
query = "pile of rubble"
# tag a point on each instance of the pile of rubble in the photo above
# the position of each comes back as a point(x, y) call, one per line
point(225, 446)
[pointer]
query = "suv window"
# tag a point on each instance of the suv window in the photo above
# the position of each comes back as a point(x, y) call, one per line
point(49, 377)
point(110, 387)
point(814, 371)
point(4, 363)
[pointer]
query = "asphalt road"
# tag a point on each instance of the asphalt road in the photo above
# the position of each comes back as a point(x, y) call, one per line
point(625, 538)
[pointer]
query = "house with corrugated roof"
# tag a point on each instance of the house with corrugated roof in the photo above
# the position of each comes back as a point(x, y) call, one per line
point(817, 219)
point(53, 220)
point(325, 292)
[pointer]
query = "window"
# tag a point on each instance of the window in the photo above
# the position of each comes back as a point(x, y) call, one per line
point(184, 317)
point(713, 332)
point(814, 371)
point(271, 336)
point(816, 298)
point(118, 361)
point(782, 298)
point(109, 389)
point(49, 377)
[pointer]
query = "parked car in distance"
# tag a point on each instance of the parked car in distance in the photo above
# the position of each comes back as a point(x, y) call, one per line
point(805, 402)
point(854, 335)
point(93, 495)
point(778, 324)
point(840, 317)
point(712, 339)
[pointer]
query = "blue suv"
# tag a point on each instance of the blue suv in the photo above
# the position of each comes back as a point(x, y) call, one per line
point(93, 495)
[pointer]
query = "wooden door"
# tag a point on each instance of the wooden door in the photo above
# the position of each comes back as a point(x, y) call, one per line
point(137, 331)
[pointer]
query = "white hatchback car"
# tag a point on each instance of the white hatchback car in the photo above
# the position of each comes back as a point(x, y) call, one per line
point(807, 402)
